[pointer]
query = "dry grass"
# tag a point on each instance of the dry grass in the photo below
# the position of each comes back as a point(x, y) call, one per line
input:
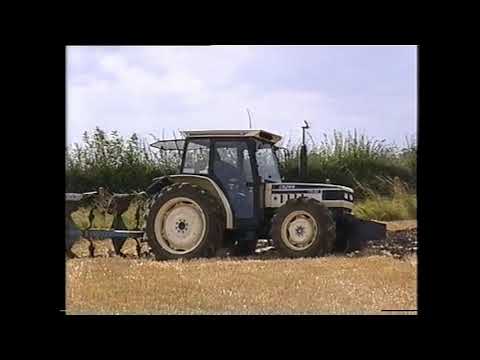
point(400, 205)
point(400, 225)
point(327, 285)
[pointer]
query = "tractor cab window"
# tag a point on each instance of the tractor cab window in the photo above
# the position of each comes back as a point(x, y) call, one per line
point(231, 160)
point(267, 163)
point(227, 154)
point(196, 157)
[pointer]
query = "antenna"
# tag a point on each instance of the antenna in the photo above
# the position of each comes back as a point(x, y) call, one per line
point(249, 119)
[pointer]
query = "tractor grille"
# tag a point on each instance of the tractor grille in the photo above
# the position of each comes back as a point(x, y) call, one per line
point(336, 195)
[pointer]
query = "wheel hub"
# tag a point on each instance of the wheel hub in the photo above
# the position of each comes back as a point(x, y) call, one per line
point(300, 231)
point(181, 226)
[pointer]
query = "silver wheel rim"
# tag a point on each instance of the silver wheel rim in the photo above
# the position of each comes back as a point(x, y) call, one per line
point(180, 225)
point(299, 230)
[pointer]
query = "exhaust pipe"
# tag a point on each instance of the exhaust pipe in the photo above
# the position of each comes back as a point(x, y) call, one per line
point(303, 155)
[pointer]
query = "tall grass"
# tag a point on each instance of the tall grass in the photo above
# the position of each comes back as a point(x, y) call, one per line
point(357, 161)
point(351, 159)
point(400, 205)
point(121, 165)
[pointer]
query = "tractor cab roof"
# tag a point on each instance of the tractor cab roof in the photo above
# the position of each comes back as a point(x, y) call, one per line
point(177, 144)
point(259, 134)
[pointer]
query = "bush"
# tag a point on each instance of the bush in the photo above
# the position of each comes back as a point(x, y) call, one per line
point(121, 165)
point(355, 160)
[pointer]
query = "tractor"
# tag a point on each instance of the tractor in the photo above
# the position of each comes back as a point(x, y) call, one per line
point(229, 193)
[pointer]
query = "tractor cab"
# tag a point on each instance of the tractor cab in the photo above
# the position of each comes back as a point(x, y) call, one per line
point(240, 162)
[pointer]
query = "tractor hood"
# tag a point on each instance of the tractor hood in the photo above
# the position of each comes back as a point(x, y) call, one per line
point(331, 195)
point(307, 187)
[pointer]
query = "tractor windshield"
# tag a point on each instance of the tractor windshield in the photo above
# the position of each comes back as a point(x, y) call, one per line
point(267, 163)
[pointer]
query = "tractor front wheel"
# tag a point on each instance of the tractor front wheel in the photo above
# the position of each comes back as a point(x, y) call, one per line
point(303, 227)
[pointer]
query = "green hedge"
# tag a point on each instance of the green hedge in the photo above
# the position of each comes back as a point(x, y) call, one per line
point(126, 165)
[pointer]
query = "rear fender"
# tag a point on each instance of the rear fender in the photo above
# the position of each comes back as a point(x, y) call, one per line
point(201, 181)
point(158, 184)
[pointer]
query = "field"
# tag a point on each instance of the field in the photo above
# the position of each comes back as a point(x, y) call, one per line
point(261, 285)
point(382, 278)
point(315, 286)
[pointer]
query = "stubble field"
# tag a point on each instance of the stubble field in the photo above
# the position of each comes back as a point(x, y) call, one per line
point(257, 285)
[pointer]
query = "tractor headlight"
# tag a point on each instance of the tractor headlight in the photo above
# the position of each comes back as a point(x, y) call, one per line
point(350, 196)
point(345, 196)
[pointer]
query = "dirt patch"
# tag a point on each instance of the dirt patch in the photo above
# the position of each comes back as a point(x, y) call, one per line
point(401, 241)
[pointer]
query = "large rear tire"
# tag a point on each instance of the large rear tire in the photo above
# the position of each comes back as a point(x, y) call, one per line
point(184, 221)
point(303, 227)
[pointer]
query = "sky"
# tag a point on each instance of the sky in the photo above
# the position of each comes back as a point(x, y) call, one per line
point(159, 90)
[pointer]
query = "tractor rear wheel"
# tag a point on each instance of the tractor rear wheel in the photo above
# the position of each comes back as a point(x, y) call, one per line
point(303, 227)
point(184, 221)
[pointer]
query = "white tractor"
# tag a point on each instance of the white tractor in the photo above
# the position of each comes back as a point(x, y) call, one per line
point(229, 194)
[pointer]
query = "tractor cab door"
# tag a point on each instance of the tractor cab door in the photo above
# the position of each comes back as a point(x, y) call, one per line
point(232, 168)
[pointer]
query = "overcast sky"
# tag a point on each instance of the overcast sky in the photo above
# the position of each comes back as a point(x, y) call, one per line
point(148, 90)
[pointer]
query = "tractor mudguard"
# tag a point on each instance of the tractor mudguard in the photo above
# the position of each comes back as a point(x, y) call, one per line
point(158, 184)
point(357, 232)
point(199, 180)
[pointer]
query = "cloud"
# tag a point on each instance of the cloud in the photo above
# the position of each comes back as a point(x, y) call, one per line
point(148, 89)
